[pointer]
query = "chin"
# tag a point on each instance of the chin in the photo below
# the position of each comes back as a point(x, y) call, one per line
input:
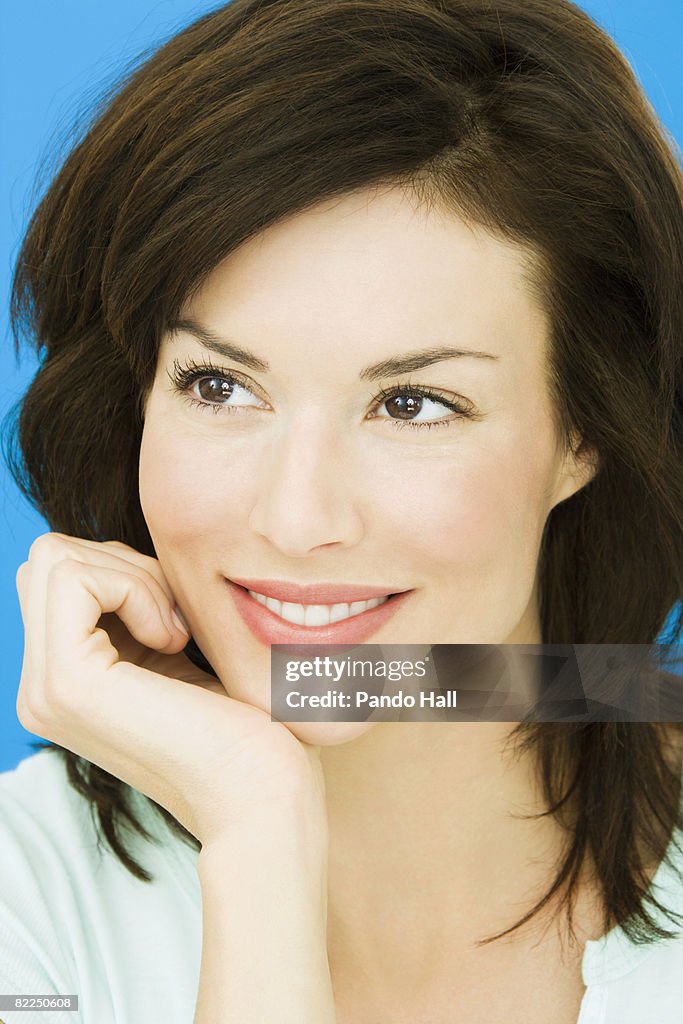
point(321, 733)
point(328, 734)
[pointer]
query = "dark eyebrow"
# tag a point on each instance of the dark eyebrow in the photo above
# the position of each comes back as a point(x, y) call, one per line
point(416, 360)
point(227, 349)
point(392, 367)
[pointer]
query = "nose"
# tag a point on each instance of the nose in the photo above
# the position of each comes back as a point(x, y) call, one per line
point(306, 499)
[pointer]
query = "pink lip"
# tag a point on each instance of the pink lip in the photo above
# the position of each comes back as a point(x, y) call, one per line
point(313, 593)
point(270, 629)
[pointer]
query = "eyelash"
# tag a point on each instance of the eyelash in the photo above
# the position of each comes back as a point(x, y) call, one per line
point(184, 375)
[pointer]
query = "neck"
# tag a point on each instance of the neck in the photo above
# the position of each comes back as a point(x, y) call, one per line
point(428, 853)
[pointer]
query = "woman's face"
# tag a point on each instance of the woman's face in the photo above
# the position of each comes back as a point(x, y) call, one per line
point(356, 401)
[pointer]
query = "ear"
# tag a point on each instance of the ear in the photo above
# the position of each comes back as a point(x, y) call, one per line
point(578, 467)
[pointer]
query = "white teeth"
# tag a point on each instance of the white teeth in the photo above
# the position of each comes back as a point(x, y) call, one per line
point(339, 612)
point(293, 613)
point(315, 614)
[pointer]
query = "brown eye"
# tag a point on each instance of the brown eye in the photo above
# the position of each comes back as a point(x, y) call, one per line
point(214, 389)
point(209, 387)
point(404, 407)
point(418, 408)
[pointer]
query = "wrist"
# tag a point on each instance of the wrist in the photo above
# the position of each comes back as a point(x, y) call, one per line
point(291, 836)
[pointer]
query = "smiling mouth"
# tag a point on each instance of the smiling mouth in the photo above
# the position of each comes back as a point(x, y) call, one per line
point(316, 614)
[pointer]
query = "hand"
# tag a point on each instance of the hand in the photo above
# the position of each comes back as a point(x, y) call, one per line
point(104, 676)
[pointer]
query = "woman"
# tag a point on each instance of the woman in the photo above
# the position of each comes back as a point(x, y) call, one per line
point(339, 303)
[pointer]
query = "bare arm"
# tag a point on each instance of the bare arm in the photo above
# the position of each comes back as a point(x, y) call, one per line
point(264, 946)
point(105, 677)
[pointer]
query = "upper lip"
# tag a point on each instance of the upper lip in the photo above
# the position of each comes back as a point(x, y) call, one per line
point(314, 593)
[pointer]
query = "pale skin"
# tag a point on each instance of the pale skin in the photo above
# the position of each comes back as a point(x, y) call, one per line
point(395, 844)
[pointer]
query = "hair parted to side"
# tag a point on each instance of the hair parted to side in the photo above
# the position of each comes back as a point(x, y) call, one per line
point(521, 115)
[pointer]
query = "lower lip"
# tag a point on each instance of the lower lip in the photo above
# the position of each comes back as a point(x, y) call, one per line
point(269, 628)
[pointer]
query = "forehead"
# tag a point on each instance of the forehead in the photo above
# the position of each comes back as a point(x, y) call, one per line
point(374, 270)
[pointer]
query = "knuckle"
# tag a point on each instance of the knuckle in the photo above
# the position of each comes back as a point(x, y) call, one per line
point(148, 562)
point(153, 565)
point(143, 561)
point(65, 569)
point(47, 547)
point(116, 544)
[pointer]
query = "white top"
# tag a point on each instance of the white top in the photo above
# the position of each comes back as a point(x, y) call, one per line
point(76, 922)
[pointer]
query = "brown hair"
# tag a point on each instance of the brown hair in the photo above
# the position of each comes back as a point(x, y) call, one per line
point(519, 114)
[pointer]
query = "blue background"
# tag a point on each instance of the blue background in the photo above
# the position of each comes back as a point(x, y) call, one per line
point(55, 60)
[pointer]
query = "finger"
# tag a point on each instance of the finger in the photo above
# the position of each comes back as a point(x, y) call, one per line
point(128, 554)
point(147, 569)
point(22, 584)
point(34, 641)
point(79, 594)
point(50, 549)
point(33, 586)
point(75, 597)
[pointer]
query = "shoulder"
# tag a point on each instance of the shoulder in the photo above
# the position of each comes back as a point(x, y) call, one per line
point(45, 818)
point(43, 823)
point(39, 809)
point(642, 981)
point(73, 918)
point(49, 841)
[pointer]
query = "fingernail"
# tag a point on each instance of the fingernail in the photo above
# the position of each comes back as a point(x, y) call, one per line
point(179, 620)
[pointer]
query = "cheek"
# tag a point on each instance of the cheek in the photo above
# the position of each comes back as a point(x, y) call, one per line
point(188, 497)
point(479, 502)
